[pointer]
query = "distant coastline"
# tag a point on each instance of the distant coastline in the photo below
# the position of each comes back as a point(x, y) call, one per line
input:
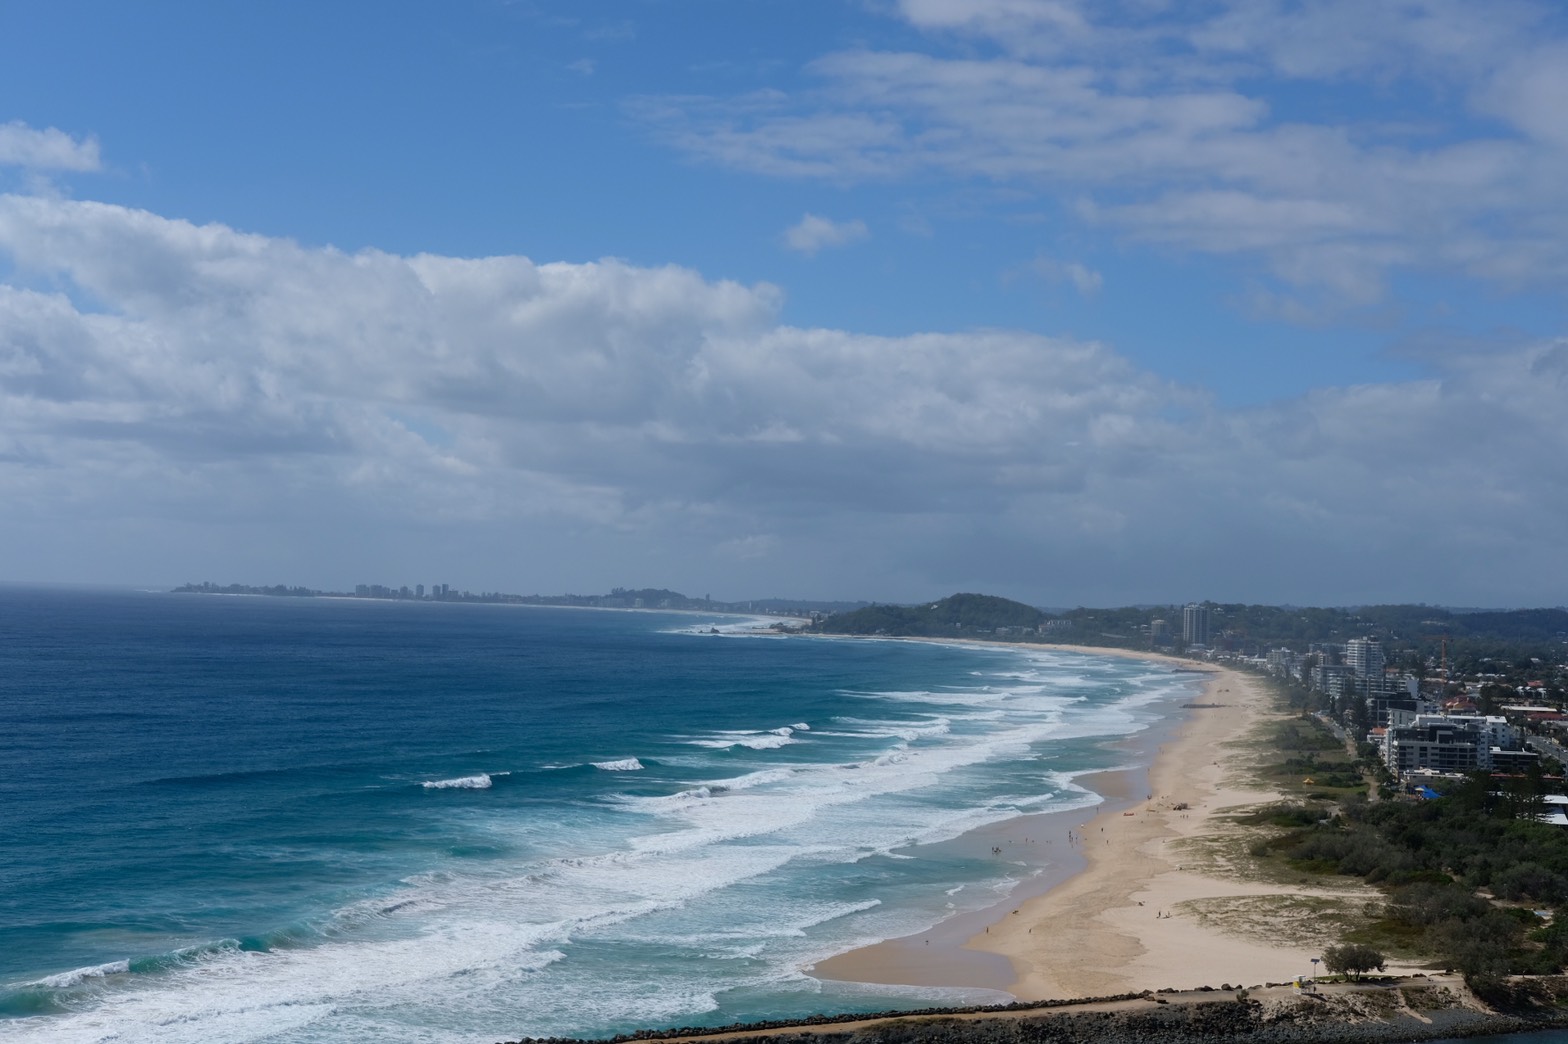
point(1468, 639)
point(653, 599)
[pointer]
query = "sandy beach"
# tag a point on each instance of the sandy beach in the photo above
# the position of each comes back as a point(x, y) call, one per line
point(1129, 912)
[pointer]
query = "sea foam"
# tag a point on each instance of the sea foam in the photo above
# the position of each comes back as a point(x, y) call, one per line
point(768, 739)
point(734, 852)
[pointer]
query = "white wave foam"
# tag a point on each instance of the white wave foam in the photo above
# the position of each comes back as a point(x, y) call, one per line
point(944, 699)
point(679, 799)
point(762, 777)
point(801, 726)
point(620, 765)
point(734, 627)
point(465, 949)
point(770, 740)
point(907, 731)
point(76, 976)
point(479, 782)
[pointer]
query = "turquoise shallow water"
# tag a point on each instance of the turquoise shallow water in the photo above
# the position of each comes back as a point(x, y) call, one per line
point(248, 819)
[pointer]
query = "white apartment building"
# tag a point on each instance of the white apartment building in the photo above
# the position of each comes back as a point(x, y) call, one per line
point(1365, 657)
point(1195, 624)
point(1443, 743)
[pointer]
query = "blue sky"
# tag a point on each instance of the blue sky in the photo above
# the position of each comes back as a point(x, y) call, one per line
point(1077, 302)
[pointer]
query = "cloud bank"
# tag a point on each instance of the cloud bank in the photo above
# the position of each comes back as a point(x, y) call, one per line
point(189, 402)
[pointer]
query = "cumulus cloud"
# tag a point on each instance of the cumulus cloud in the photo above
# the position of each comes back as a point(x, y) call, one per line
point(813, 233)
point(48, 149)
point(204, 395)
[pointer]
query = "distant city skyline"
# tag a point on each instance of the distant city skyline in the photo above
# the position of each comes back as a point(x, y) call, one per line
point(1077, 304)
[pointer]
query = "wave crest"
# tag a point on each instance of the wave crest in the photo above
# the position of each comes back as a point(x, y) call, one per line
point(479, 782)
point(769, 739)
point(77, 976)
point(620, 765)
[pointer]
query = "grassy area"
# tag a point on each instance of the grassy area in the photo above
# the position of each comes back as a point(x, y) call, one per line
point(1301, 759)
point(1296, 920)
point(1308, 762)
point(1230, 854)
point(1404, 941)
point(1275, 756)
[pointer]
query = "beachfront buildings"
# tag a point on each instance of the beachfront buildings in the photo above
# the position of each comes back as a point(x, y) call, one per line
point(1355, 673)
point(1195, 624)
point(1416, 734)
point(1450, 744)
point(1364, 657)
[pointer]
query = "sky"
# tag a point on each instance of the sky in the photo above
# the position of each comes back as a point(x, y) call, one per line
point(1081, 303)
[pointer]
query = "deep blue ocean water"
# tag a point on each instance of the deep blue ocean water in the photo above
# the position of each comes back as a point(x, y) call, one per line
point(308, 820)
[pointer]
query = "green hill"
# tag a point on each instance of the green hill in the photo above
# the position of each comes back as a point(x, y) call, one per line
point(960, 615)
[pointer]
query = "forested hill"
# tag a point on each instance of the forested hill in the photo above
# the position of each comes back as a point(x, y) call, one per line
point(954, 616)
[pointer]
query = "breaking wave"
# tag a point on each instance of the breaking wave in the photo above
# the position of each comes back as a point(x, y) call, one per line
point(479, 782)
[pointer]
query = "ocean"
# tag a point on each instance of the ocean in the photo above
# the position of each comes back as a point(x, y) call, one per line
point(320, 820)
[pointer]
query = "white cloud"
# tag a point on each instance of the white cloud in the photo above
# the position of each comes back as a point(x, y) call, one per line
point(813, 233)
point(1309, 136)
point(231, 399)
point(1006, 20)
point(1528, 91)
point(48, 149)
point(1079, 276)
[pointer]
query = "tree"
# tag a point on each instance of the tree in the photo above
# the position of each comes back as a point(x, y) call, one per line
point(1352, 959)
point(1482, 946)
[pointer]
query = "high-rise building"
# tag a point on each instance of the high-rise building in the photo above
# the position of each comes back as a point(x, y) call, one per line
point(1365, 657)
point(1195, 624)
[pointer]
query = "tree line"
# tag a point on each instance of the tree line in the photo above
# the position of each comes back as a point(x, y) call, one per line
point(1473, 878)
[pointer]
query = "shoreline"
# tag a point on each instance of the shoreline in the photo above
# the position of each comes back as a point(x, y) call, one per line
point(1121, 925)
point(1126, 917)
point(961, 951)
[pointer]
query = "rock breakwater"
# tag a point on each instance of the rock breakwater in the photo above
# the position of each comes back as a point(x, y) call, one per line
point(1347, 1014)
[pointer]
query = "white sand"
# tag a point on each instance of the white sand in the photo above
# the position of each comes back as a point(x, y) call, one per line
point(1100, 932)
